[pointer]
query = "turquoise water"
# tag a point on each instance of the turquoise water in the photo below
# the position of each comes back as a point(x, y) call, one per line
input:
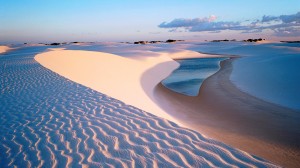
point(188, 78)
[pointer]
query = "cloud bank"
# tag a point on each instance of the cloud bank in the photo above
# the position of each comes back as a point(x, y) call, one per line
point(283, 25)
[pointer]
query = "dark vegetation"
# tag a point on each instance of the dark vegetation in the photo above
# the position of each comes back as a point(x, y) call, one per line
point(223, 40)
point(54, 44)
point(153, 42)
point(254, 40)
point(248, 40)
point(290, 41)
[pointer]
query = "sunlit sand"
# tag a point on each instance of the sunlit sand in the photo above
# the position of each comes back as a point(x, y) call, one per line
point(107, 107)
point(138, 78)
point(3, 49)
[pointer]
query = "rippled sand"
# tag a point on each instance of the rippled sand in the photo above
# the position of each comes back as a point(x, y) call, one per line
point(49, 121)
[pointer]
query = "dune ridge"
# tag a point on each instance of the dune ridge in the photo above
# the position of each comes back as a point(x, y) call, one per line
point(4, 49)
point(129, 70)
point(48, 121)
point(113, 75)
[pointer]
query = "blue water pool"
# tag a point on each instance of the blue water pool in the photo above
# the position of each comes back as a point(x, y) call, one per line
point(188, 78)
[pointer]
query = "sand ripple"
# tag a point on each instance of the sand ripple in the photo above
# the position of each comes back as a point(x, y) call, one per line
point(49, 121)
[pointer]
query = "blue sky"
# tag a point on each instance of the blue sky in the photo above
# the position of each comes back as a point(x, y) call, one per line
point(130, 20)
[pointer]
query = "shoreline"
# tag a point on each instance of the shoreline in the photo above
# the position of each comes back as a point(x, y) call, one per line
point(223, 112)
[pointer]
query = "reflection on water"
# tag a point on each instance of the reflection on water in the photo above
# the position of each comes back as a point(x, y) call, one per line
point(188, 78)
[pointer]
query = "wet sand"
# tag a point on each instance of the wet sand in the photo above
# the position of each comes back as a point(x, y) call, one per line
point(223, 112)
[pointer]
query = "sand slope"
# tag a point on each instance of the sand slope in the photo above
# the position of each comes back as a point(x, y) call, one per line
point(123, 78)
point(3, 49)
point(113, 75)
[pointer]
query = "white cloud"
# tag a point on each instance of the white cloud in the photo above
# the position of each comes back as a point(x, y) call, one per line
point(287, 31)
point(183, 23)
point(283, 25)
point(294, 18)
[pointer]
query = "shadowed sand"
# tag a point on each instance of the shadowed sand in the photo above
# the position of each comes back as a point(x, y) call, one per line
point(113, 75)
point(223, 112)
point(117, 76)
point(4, 49)
point(126, 126)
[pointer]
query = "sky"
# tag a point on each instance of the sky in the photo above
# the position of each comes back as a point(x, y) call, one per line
point(131, 20)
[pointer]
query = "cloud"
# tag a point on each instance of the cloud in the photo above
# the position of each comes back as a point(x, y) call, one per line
point(283, 25)
point(182, 23)
point(215, 26)
point(269, 18)
point(176, 30)
point(251, 31)
point(217, 31)
point(284, 18)
point(287, 31)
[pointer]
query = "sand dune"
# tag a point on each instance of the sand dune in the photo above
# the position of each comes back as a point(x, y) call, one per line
point(118, 76)
point(113, 75)
point(49, 121)
point(278, 83)
point(185, 54)
point(3, 49)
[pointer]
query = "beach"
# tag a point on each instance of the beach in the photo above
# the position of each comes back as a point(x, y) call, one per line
point(223, 112)
point(103, 105)
point(252, 99)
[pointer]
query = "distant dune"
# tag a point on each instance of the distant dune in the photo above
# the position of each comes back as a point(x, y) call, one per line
point(3, 49)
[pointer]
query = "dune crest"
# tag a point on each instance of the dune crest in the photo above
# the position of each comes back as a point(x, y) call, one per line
point(4, 49)
point(116, 76)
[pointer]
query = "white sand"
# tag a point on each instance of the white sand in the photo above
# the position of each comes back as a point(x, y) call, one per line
point(116, 76)
point(123, 78)
point(268, 41)
point(132, 80)
point(184, 54)
point(3, 49)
